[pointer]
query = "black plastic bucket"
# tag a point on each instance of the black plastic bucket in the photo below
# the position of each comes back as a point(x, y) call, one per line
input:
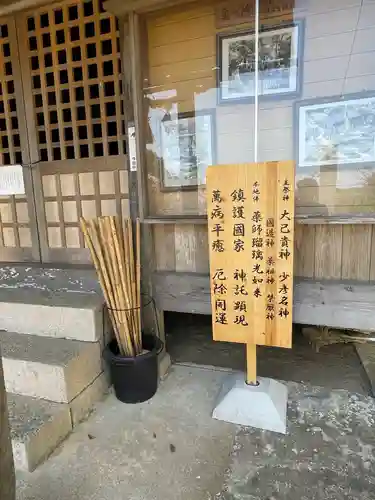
point(135, 379)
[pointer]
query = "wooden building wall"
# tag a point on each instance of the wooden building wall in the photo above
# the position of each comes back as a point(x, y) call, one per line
point(330, 251)
point(338, 59)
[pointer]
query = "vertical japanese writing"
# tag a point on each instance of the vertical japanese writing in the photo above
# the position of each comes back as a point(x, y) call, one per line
point(238, 214)
point(256, 192)
point(240, 292)
point(257, 243)
point(270, 307)
point(270, 271)
point(257, 240)
point(220, 290)
point(250, 212)
point(283, 295)
point(286, 190)
point(217, 215)
point(270, 232)
point(284, 252)
point(239, 275)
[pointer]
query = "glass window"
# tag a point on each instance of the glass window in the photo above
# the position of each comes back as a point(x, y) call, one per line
point(217, 90)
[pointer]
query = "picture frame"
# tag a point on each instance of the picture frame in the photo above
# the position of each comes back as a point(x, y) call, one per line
point(338, 130)
point(187, 149)
point(280, 63)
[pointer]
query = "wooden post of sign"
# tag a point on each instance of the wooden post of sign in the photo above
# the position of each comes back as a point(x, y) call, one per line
point(251, 363)
point(250, 210)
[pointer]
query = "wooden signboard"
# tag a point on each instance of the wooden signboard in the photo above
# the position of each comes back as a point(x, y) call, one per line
point(250, 225)
point(234, 12)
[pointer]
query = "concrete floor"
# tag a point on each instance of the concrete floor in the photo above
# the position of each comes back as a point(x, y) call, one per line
point(171, 449)
point(165, 449)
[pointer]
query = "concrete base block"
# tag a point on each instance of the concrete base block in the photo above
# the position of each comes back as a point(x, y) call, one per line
point(83, 404)
point(37, 428)
point(262, 406)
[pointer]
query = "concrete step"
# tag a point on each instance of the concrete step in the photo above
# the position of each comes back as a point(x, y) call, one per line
point(70, 315)
point(37, 428)
point(48, 368)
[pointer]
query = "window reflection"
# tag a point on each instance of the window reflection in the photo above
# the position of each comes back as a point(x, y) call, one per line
point(316, 100)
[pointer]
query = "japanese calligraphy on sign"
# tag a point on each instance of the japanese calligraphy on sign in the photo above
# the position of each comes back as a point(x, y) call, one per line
point(250, 226)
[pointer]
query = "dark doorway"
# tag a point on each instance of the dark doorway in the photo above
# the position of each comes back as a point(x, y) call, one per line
point(189, 341)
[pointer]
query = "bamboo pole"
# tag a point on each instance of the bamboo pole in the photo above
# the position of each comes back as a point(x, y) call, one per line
point(128, 240)
point(119, 272)
point(131, 266)
point(102, 277)
point(95, 227)
point(108, 237)
point(138, 281)
point(120, 257)
point(130, 250)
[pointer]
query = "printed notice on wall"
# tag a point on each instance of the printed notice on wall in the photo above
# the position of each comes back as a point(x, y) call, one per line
point(11, 180)
point(250, 210)
point(132, 149)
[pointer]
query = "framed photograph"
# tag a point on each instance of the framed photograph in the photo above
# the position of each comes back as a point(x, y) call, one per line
point(187, 149)
point(336, 131)
point(279, 63)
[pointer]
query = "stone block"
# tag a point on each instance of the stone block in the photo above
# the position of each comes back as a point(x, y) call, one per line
point(48, 368)
point(75, 316)
point(83, 404)
point(37, 428)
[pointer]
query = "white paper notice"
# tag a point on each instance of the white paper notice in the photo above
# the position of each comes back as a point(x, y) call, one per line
point(11, 180)
point(132, 149)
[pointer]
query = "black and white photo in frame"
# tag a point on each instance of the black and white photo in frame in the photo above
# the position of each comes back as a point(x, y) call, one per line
point(336, 130)
point(187, 149)
point(279, 63)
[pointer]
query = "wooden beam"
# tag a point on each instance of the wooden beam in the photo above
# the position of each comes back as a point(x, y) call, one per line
point(299, 219)
point(182, 292)
point(251, 364)
point(337, 219)
point(122, 8)
point(134, 52)
point(336, 304)
point(137, 56)
point(7, 8)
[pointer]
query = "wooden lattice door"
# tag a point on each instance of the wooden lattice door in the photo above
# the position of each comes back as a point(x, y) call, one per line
point(71, 73)
point(18, 225)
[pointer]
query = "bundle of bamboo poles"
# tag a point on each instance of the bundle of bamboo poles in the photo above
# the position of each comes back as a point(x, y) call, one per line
point(116, 258)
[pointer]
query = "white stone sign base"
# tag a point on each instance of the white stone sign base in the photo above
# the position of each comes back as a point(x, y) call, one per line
point(262, 406)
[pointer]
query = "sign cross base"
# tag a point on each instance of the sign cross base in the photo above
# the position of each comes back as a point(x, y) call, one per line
point(262, 405)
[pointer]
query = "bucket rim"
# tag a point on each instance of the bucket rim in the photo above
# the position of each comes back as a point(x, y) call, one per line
point(110, 355)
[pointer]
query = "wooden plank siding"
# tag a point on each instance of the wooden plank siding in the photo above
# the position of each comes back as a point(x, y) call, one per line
point(341, 252)
point(330, 303)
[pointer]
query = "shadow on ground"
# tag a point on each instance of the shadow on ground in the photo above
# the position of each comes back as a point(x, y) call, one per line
point(189, 340)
